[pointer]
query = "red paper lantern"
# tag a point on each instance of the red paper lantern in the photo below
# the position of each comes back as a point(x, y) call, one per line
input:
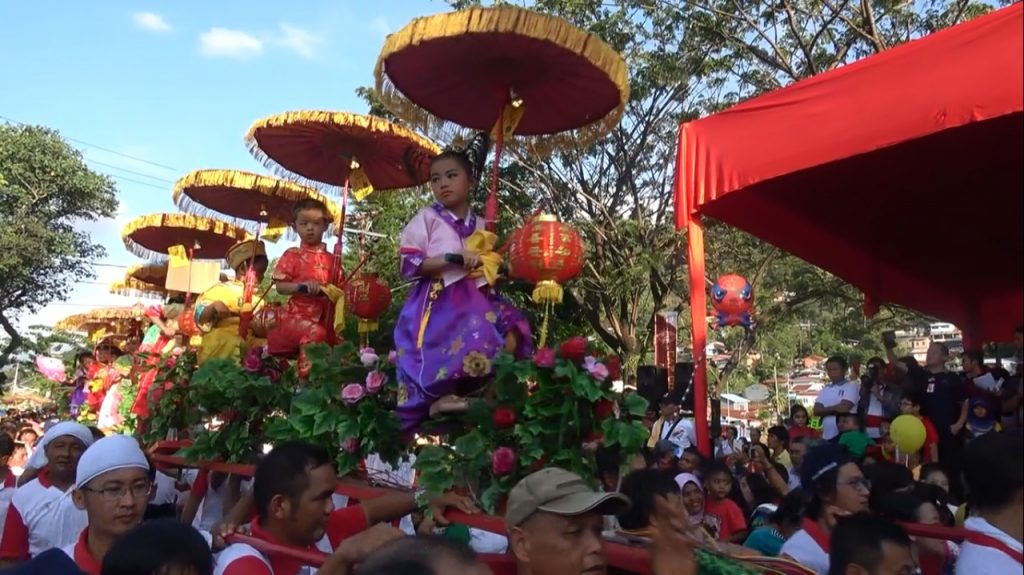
point(547, 253)
point(367, 297)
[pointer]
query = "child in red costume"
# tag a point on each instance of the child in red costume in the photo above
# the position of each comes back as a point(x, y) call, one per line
point(300, 273)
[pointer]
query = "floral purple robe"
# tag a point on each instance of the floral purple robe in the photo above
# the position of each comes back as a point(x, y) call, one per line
point(450, 326)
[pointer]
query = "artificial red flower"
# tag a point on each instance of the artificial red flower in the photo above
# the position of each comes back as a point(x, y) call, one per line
point(614, 365)
point(504, 417)
point(544, 357)
point(573, 349)
point(503, 461)
point(604, 409)
point(539, 464)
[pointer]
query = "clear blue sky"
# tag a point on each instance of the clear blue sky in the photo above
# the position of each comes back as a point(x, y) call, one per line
point(178, 84)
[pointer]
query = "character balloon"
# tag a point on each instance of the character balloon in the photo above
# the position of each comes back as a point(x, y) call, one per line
point(732, 296)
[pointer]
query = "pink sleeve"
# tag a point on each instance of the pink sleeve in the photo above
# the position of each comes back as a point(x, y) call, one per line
point(247, 566)
point(413, 245)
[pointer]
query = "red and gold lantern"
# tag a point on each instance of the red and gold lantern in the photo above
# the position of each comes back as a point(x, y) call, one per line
point(546, 253)
point(367, 297)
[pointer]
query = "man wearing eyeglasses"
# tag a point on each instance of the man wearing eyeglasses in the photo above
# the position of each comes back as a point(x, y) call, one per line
point(112, 486)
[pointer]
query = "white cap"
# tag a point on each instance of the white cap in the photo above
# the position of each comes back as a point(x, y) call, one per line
point(69, 428)
point(107, 454)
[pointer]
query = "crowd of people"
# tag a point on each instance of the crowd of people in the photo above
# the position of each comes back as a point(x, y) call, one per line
point(89, 509)
point(832, 499)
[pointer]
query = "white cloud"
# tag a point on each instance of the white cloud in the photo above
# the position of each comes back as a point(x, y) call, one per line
point(151, 21)
point(380, 26)
point(300, 41)
point(226, 43)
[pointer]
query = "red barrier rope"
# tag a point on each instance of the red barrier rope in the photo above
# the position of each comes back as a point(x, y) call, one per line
point(313, 558)
point(630, 558)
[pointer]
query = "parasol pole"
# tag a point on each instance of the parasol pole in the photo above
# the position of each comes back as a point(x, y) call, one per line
point(245, 315)
point(491, 209)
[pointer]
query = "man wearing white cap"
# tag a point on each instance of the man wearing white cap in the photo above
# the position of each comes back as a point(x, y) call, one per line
point(112, 486)
point(42, 514)
point(554, 522)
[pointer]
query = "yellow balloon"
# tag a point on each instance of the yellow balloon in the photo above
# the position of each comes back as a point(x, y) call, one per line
point(907, 433)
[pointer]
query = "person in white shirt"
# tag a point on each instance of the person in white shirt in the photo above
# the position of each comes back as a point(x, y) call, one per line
point(672, 426)
point(834, 486)
point(42, 514)
point(839, 396)
point(995, 481)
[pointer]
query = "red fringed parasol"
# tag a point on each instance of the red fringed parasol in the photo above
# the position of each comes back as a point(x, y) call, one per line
point(517, 71)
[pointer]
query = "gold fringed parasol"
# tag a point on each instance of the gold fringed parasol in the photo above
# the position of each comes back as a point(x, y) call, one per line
point(504, 70)
point(342, 149)
point(153, 274)
point(154, 235)
point(459, 70)
point(112, 316)
point(136, 288)
point(251, 199)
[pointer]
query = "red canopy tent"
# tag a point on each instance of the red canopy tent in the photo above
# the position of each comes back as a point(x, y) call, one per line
point(901, 173)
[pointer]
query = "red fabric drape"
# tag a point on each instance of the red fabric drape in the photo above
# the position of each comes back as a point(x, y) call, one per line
point(900, 173)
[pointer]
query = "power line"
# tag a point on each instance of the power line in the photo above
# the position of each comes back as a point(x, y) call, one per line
point(101, 148)
point(144, 175)
point(126, 179)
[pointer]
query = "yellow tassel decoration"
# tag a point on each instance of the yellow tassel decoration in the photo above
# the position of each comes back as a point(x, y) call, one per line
point(275, 229)
point(548, 291)
point(179, 258)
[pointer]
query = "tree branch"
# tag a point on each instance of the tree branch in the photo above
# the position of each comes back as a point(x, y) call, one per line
point(13, 344)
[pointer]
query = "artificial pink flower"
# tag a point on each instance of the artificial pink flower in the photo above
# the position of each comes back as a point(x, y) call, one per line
point(597, 369)
point(352, 393)
point(393, 357)
point(253, 360)
point(503, 461)
point(368, 357)
point(375, 381)
point(544, 357)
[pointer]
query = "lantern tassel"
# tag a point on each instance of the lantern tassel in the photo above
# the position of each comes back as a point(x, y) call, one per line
point(547, 291)
point(368, 325)
point(544, 324)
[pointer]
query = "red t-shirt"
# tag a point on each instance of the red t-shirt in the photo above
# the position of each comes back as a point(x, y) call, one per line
point(931, 437)
point(809, 432)
point(723, 518)
point(341, 524)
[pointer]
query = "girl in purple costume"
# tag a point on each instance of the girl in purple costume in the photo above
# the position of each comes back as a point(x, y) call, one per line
point(451, 324)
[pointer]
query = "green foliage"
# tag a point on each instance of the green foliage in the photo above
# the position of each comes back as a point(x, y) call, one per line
point(170, 408)
point(350, 429)
point(46, 193)
point(554, 411)
point(242, 400)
